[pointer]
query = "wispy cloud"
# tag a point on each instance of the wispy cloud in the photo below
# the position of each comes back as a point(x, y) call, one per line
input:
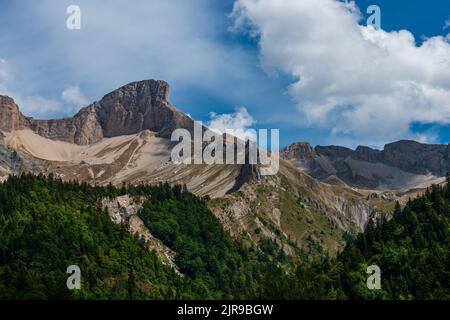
point(38, 106)
point(32, 105)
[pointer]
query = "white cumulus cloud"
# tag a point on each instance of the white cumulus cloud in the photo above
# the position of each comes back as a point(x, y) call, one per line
point(239, 121)
point(360, 83)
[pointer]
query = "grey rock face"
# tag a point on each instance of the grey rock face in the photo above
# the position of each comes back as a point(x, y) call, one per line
point(334, 151)
point(416, 157)
point(13, 162)
point(135, 107)
point(121, 208)
point(370, 168)
point(139, 106)
point(367, 154)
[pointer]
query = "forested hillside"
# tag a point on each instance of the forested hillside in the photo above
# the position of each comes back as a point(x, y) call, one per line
point(47, 225)
point(412, 251)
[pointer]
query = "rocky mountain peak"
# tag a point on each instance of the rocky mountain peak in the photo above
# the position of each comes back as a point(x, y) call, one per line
point(137, 106)
point(298, 150)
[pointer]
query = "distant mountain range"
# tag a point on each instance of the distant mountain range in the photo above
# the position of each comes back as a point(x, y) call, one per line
point(401, 165)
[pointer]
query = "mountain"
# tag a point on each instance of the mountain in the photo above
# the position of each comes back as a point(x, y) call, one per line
point(400, 165)
point(108, 171)
point(124, 139)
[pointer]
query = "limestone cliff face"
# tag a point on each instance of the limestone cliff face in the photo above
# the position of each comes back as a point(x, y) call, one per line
point(135, 107)
point(139, 106)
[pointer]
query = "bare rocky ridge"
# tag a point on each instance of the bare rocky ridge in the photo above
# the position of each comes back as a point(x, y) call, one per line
point(400, 165)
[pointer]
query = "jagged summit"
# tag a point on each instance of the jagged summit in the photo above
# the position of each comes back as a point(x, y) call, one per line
point(137, 106)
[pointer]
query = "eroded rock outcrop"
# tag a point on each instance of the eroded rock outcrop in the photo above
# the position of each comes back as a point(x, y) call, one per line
point(124, 210)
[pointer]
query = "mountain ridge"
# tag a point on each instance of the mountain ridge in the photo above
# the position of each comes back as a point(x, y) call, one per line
point(371, 168)
point(124, 139)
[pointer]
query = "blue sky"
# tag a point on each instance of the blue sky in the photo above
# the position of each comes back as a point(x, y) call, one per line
point(215, 63)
